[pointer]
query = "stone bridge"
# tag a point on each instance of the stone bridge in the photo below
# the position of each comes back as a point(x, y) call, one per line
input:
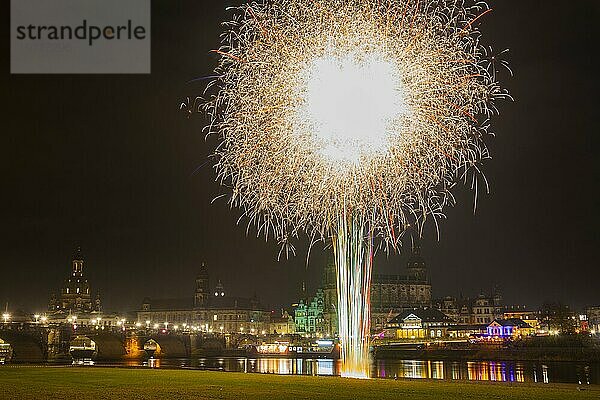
point(41, 343)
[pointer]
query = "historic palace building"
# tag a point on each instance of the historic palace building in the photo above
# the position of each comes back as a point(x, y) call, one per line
point(211, 309)
point(482, 309)
point(390, 295)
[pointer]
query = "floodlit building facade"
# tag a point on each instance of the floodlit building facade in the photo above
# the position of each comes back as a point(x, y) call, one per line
point(419, 324)
point(390, 293)
point(211, 309)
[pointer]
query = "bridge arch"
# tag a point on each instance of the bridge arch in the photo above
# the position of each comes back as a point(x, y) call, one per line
point(22, 347)
point(108, 346)
point(166, 346)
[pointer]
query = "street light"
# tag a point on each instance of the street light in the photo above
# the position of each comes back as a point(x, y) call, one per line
point(44, 319)
point(37, 317)
point(6, 317)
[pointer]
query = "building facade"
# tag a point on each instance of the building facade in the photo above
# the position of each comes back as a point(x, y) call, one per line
point(472, 311)
point(309, 316)
point(509, 328)
point(210, 309)
point(75, 303)
point(75, 295)
point(419, 324)
point(390, 293)
point(282, 325)
point(523, 313)
point(593, 314)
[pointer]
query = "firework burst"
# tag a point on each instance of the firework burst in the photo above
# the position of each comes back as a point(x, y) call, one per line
point(351, 120)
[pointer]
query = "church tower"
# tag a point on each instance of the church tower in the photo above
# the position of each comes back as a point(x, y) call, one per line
point(202, 288)
point(75, 295)
point(416, 267)
point(219, 289)
point(77, 263)
point(330, 300)
point(329, 284)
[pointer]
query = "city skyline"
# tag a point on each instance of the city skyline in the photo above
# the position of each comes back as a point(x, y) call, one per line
point(136, 189)
point(303, 292)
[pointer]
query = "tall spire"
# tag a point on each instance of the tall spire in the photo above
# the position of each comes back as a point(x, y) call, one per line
point(77, 261)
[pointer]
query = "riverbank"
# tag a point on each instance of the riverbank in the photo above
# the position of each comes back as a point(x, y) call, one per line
point(37, 383)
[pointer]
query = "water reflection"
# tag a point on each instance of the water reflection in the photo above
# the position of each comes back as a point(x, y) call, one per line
point(497, 371)
point(500, 371)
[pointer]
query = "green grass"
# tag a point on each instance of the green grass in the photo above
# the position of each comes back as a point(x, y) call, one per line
point(37, 383)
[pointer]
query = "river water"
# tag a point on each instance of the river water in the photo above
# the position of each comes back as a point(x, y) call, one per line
point(503, 371)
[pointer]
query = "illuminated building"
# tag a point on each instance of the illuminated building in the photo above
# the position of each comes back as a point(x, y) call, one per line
point(472, 311)
point(521, 312)
point(419, 324)
point(593, 314)
point(509, 328)
point(464, 331)
point(282, 325)
point(75, 295)
point(308, 316)
point(211, 309)
point(390, 293)
point(74, 305)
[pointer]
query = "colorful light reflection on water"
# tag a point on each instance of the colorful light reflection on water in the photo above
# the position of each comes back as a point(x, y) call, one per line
point(498, 371)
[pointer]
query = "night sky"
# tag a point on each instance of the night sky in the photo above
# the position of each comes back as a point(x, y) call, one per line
point(110, 161)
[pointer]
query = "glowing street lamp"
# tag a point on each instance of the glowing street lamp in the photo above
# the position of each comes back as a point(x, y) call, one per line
point(44, 319)
point(6, 317)
point(37, 318)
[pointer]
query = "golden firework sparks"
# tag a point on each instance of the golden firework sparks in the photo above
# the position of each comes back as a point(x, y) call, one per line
point(351, 119)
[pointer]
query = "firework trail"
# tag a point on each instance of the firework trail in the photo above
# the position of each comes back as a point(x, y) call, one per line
point(351, 121)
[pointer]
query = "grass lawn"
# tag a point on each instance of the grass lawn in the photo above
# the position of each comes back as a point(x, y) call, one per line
point(37, 383)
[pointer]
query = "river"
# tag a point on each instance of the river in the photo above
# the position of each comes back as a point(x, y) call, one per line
point(502, 371)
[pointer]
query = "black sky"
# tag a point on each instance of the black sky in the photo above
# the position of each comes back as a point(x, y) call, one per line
point(110, 161)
